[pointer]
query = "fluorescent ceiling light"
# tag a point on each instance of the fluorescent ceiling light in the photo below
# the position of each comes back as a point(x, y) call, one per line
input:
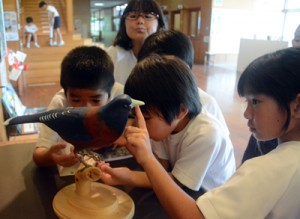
point(99, 4)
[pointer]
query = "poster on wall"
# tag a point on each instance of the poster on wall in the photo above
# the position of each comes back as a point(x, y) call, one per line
point(3, 48)
point(11, 26)
point(2, 34)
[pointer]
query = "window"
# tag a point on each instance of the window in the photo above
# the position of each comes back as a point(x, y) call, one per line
point(291, 19)
point(175, 20)
point(97, 22)
point(117, 15)
point(292, 4)
point(264, 20)
point(195, 22)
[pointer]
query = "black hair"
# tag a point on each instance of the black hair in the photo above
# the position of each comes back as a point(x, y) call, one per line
point(169, 42)
point(276, 75)
point(165, 84)
point(145, 6)
point(42, 3)
point(87, 67)
point(29, 20)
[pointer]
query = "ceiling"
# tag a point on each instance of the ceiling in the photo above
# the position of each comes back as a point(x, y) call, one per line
point(107, 3)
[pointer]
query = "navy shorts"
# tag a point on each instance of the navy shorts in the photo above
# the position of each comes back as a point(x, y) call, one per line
point(56, 23)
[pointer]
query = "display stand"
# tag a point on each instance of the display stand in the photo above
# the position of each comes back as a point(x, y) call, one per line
point(89, 199)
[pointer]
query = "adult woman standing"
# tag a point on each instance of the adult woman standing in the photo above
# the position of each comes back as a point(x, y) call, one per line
point(140, 19)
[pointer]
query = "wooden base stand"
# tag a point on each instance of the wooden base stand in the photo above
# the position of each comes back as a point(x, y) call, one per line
point(86, 199)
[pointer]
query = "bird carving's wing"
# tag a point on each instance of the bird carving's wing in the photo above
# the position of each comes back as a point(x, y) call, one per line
point(68, 123)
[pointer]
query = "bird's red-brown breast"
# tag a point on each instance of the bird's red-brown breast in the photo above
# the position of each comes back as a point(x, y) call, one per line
point(97, 127)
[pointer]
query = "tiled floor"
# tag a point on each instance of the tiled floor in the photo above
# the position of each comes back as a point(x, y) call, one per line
point(219, 81)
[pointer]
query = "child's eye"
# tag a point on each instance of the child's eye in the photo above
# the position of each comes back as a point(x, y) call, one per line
point(96, 100)
point(132, 16)
point(148, 16)
point(146, 117)
point(75, 100)
point(254, 101)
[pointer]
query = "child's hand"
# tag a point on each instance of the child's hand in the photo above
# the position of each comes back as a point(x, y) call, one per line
point(121, 141)
point(114, 176)
point(59, 155)
point(138, 141)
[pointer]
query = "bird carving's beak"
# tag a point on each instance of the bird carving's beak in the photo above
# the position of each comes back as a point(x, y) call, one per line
point(136, 103)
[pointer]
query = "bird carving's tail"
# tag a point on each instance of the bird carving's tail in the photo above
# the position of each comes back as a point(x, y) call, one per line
point(22, 119)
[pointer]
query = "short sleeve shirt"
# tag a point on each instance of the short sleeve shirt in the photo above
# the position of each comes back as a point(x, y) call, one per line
point(201, 155)
point(52, 9)
point(124, 61)
point(267, 186)
point(31, 28)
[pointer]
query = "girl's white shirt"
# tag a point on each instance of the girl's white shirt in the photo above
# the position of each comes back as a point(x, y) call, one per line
point(263, 187)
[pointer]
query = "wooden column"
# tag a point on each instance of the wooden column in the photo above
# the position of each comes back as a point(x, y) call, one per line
point(69, 16)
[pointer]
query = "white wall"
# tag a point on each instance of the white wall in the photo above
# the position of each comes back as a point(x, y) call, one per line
point(251, 49)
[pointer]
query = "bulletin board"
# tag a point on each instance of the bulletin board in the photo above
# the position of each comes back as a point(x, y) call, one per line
point(11, 26)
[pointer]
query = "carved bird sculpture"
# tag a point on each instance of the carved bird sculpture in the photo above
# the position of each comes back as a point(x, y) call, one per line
point(85, 127)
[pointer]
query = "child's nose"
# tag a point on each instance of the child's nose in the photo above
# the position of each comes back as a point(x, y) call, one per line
point(140, 19)
point(247, 113)
point(88, 104)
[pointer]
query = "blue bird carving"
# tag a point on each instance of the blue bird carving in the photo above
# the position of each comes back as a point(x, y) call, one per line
point(85, 127)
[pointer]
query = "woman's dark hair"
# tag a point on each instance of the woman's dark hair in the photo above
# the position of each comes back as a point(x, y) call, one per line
point(165, 84)
point(145, 6)
point(87, 67)
point(276, 75)
point(169, 42)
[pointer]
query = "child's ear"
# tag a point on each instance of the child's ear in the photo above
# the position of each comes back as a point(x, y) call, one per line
point(296, 106)
point(183, 112)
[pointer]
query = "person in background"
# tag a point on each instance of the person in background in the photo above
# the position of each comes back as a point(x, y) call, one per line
point(271, 87)
point(140, 19)
point(257, 148)
point(189, 143)
point(54, 20)
point(89, 82)
point(31, 33)
point(296, 40)
point(173, 42)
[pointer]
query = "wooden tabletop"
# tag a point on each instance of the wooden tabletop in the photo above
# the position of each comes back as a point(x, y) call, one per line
point(27, 191)
point(24, 188)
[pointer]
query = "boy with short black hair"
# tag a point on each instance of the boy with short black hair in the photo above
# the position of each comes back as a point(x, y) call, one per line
point(87, 80)
point(173, 42)
point(189, 143)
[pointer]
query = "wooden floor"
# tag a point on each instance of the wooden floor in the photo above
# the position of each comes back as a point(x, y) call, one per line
point(219, 81)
